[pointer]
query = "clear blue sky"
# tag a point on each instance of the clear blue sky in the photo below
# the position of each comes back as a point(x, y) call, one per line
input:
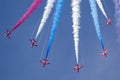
point(18, 61)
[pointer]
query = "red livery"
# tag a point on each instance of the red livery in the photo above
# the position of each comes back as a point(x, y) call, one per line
point(104, 53)
point(33, 42)
point(109, 21)
point(7, 35)
point(78, 67)
point(45, 62)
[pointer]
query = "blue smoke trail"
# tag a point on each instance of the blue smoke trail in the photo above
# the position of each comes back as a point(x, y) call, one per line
point(96, 23)
point(56, 18)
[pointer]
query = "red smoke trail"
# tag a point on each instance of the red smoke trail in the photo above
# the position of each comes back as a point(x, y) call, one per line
point(27, 14)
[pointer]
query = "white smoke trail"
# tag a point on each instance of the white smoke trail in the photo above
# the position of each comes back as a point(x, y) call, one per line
point(119, 2)
point(117, 18)
point(76, 24)
point(46, 13)
point(101, 8)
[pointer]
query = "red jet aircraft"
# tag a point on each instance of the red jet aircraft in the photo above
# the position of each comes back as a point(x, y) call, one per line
point(104, 53)
point(33, 43)
point(78, 67)
point(109, 21)
point(45, 62)
point(7, 35)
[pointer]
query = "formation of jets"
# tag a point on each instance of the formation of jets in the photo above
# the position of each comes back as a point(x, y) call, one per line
point(78, 67)
point(33, 42)
point(104, 53)
point(44, 62)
